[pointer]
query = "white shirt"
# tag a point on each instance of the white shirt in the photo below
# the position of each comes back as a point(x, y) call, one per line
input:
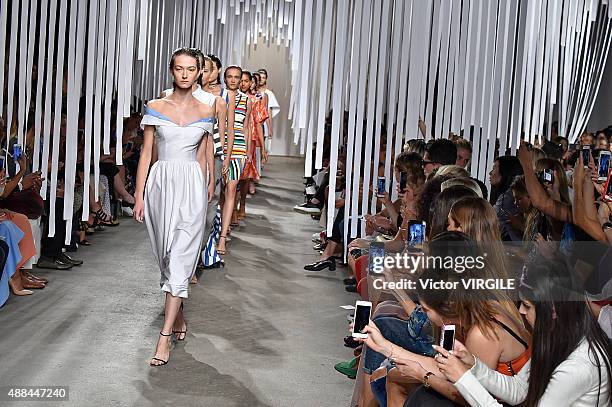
point(575, 382)
point(272, 102)
point(199, 93)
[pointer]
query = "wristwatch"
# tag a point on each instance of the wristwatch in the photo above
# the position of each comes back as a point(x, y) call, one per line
point(426, 383)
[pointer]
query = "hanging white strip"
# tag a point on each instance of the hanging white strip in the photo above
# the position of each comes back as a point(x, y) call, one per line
point(73, 122)
point(381, 89)
point(484, 94)
point(519, 89)
point(57, 121)
point(403, 91)
point(492, 85)
point(12, 63)
point(29, 66)
point(433, 59)
point(443, 67)
point(144, 15)
point(510, 22)
point(361, 84)
point(350, 210)
point(323, 95)
point(566, 72)
point(224, 6)
point(92, 42)
point(3, 29)
point(44, 167)
point(470, 68)
point(453, 58)
point(109, 81)
point(545, 72)
point(533, 100)
point(371, 110)
point(306, 61)
point(398, 14)
point(478, 72)
point(42, 53)
point(461, 72)
point(337, 120)
point(23, 54)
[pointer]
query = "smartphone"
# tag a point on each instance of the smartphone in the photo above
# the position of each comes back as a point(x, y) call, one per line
point(403, 181)
point(586, 156)
point(604, 165)
point(363, 310)
point(129, 146)
point(381, 186)
point(447, 339)
point(416, 232)
point(548, 176)
point(17, 151)
point(376, 258)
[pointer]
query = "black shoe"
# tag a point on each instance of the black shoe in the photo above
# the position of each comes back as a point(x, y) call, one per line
point(307, 208)
point(52, 264)
point(64, 258)
point(350, 281)
point(322, 265)
point(350, 342)
point(351, 288)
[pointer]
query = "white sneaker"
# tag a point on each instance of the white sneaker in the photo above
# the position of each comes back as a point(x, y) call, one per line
point(127, 211)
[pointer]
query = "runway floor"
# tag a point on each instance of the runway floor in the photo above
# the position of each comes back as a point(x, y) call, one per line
point(262, 332)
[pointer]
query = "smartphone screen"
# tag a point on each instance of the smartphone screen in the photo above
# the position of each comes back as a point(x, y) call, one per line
point(362, 317)
point(1, 163)
point(376, 258)
point(416, 233)
point(586, 155)
point(604, 165)
point(447, 341)
point(403, 181)
point(548, 176)
point(381, 186)
point(16, 151)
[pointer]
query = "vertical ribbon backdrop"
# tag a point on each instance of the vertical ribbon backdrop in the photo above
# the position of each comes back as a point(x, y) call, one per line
point(494, 71)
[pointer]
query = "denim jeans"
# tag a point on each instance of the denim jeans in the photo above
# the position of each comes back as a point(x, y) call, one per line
point(413, 334)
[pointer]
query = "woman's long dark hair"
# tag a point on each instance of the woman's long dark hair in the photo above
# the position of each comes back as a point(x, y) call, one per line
point(509, 167)
point(563, 320)
point(217, 62)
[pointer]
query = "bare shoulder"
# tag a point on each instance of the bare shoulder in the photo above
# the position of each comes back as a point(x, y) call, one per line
point(204, 109)
point(156, 103)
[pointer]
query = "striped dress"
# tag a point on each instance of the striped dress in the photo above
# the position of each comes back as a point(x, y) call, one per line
point(238, 154)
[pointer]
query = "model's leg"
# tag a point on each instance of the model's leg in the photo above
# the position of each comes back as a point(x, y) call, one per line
point(162, 352)
point(243, 195)
point(226, 217)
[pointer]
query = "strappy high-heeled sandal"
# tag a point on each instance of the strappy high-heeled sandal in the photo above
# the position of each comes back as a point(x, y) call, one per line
point(222, 252)
point(178, 337)
point(163, 362)
point(104, 219)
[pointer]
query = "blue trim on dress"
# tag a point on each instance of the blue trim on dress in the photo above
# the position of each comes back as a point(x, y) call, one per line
point(152, 112)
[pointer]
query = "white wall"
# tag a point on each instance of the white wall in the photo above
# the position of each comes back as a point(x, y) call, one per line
point(602, 111)
point(275, 59)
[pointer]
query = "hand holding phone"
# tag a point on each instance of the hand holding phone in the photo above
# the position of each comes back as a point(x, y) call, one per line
point(416, 233)
point(604, 165)
point(447, 338)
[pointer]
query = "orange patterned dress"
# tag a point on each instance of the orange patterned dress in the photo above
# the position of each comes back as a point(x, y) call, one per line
point(259, 114)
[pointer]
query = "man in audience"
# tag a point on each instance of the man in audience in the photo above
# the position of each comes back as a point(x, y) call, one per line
point(464, 152)
point(438, 153)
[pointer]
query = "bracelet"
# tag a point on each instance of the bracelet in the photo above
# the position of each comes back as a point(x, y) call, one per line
point(426, 383)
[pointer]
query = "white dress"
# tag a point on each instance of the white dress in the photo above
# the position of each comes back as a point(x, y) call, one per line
point(175, 199)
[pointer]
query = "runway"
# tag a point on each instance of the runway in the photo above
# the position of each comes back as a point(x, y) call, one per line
point(261, 331)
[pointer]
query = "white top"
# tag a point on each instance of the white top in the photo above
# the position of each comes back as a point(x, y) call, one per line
point(272, 102)
point(575, 382)
point(199, 93)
